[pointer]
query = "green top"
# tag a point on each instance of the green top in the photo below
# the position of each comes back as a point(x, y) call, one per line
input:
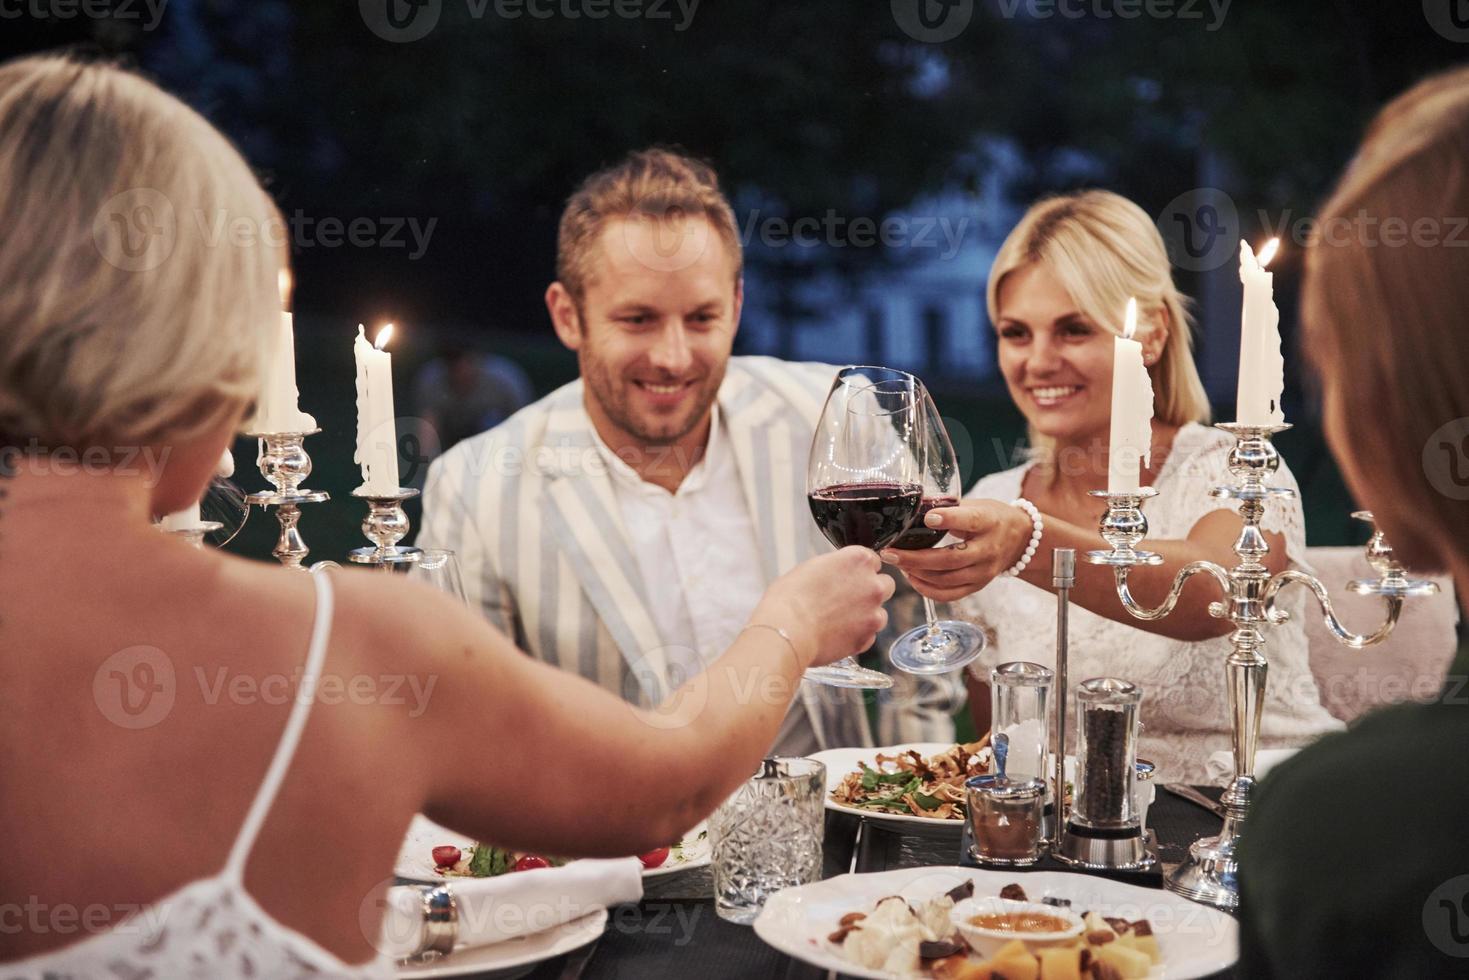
point(1355, 857)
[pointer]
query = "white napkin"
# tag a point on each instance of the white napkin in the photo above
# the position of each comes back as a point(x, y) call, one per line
point(492, 910)
point(1220, 765)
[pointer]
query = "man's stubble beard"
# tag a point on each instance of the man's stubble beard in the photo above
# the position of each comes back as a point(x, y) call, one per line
point(610, 395)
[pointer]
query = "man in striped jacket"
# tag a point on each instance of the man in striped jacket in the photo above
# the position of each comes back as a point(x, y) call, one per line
point(624, 526)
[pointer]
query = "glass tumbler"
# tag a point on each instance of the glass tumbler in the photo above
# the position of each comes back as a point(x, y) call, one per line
point(1020, 693)
point(768, 836)
point(1005, 819)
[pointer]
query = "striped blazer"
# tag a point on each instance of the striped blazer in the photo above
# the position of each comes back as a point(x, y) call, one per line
point(530, 509)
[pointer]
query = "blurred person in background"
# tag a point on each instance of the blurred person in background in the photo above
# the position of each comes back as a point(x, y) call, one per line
point(463, 392)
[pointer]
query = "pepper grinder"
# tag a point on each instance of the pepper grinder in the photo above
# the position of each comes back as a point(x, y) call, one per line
point(1104, 831)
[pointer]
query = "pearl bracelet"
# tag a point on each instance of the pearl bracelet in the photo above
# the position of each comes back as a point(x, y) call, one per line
point(1036, 527)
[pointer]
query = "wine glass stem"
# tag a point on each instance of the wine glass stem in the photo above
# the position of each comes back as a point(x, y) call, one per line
point(933, 616)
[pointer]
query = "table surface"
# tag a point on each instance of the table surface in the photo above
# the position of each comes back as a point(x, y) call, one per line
point(674, 931)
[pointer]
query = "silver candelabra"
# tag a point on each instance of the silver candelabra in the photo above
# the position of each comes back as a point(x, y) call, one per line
point(283, 462)
point(1209, 874)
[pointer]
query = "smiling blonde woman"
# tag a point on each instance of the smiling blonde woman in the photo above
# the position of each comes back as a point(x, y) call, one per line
point(1057, 292)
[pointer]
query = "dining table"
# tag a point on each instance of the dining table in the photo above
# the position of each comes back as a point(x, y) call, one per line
point(675, 933)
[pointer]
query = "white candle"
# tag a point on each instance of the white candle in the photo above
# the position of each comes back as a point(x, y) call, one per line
point(1261, 364)
point(377, 437)
point(182, 520)
point(1131, 439)
point(278, 407)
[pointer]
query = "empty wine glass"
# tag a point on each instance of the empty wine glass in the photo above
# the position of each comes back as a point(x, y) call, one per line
point(440, 569)
point(937, 647)
point(223, 503)
point(864, 477)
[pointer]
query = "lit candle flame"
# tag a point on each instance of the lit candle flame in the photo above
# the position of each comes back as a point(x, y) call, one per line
point(284, 283)
point(1268, 252)
point(383, 336)
point(1129, 321)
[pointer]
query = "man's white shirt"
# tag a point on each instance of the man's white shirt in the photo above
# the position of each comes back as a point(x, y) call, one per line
point(699, 557)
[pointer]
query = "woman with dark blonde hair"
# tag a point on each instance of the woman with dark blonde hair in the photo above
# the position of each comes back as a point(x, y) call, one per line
point(1354, 860)
point(183, 796)
point(1057, 292)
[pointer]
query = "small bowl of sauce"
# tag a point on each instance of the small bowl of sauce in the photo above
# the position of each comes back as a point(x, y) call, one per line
point(989, 923)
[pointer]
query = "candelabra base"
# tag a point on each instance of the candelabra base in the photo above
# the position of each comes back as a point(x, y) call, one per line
point(1210, 875)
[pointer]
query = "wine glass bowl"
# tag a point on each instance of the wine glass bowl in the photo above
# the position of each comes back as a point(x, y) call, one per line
point(864, 476)
point(439, 568)
point(938, 646)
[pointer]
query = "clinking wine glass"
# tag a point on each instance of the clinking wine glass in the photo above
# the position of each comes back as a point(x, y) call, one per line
point(439, 568)
point(864, 477)
point(939, 646)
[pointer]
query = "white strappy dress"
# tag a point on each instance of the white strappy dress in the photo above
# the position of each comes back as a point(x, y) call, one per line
point(212, 927)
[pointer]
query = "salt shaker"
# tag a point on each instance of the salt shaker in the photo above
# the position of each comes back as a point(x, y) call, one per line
point(1020, 692)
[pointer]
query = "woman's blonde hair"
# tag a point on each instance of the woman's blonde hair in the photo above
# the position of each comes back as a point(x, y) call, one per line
point(1385, 316)
point(138, 285)
point(1104, 249)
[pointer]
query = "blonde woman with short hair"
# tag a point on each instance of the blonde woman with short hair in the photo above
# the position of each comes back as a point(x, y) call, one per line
point(1057, 293)
point(1355, 856)
point(161, 756)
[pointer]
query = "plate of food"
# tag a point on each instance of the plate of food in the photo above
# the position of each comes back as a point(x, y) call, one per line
point(433, 853)
point(918, 787)
point(970, 924)
point(512, 958)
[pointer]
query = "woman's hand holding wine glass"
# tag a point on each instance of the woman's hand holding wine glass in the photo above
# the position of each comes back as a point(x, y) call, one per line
point(938, 646)
point(992, 536)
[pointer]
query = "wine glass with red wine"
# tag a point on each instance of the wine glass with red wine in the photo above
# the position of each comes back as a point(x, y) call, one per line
point(937, 647)
point(864, 478)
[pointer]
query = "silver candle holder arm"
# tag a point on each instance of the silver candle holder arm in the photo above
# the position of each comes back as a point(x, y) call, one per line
point(1392, 583)
point(284, 463)
point(1250, 592)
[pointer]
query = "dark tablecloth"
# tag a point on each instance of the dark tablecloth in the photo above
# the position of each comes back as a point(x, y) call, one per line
point(674, 932)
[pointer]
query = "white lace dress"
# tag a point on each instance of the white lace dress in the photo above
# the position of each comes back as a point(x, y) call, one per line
point(1185, 710)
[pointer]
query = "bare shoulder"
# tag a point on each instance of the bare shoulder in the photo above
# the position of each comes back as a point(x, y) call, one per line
point(390, 619)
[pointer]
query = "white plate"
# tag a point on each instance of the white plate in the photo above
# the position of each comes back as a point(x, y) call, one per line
point(839, 762)
point(508, 959)
point(416, 863)
point(1196, 940)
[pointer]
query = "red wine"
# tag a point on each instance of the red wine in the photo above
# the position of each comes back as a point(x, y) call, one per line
point(866, 514)
point(920, 535)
